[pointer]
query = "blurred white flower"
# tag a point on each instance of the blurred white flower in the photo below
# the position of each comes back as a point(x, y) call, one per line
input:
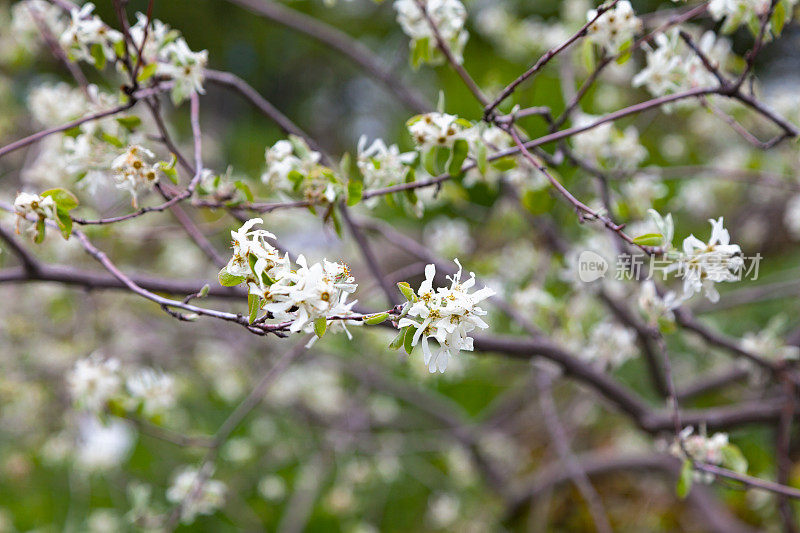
point(197, 495)
point(153, 389)
point(103, 447)
point(615, 27)
point(93, 381)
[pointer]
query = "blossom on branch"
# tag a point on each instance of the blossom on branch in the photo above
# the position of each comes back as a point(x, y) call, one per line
point(446, 314)
point(448, 16)
point(615, 28)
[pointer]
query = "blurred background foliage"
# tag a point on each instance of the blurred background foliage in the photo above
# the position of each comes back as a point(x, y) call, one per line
point(403, 471)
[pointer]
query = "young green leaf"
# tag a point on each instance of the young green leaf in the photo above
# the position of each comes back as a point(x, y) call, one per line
point(408, 339)
point(407, 291)
point(376, 318)
point(320, 325)
point(64, 223)
point(40, 227)
point(649, 239)
point(685, 480)
point(63, 198)
point(147, 72)
point(229, 280)
point(253, 305)
point(457, 157)
point(733, 458)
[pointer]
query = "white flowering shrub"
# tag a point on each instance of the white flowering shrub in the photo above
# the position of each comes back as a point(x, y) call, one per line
point(263, 265)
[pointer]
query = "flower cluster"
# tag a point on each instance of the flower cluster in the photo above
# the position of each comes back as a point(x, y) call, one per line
point(714, 450)
point(382, 165)
point(615, 27)
point(446, 314)
point(87, 36)
point(738, 12)
point(607, 146)
point(195, 494)
point(306, 296)
point(42, 207)
point(610, 345)
point(704, 264)
point(656, 308)
point(96, 382)
point(448, 16)
point(295, 170)
point(433, 130)
point(134, 172)
point(673, 67)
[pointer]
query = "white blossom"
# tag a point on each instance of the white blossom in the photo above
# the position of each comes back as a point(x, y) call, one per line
point(610, 345)
point(705, 264)
point(673, 67)
point(102, 447)
point(448, 237)
point(437, 129)
point(607, 146)
point(186, 68)
point(197, 495)
point(94, 381)
point(87, 30)
point(382, 165)
point(656, 307)
point(133, 172)
point(43, 207)
point(155, 390)
point(448, 16)
point(701, 448)
point(446, 314)
point(615, 27)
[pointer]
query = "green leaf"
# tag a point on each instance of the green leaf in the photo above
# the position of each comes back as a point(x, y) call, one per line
point(204, 291)
point(685, 480)
point(253, 305)
point(482, 158)
point(504, 163)
point(625, 52)
point(227, 279)
point(112, 140)
point(355, 192)
point(64, 223)
point(588, 56)
point(119, 48)
point(649, 239)
point(429, 161)
point(63, 198)
point(98, 56)
point(337, 224)
point(130, 122)
point(40, 228)
point(420, 52)
point(408, 339)
point(376, 318)
point(537, 202)
point(778, 18)
point(733, 458)
point(457, 157)
point(244, 188)
point(407, 291)
point(397, 342)
point(320, 325)
point(147, 72)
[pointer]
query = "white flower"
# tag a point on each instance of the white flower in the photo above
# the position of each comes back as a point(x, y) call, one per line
point(443, 510)
point(133, 172)
point(673, 67)
point(704, 264)
point(155, 390)
point(25, 19)
point(382, 165)
point(656, 307)
point(272, 488)
point(607, 146)
point(291, 164)
point(448, 16)
point(94, 381)
point(447, 315)
point(311, 292)
point(85, 31)
point(43, 207)
point(437, 129)
point(102, 447)
point(186, 68)
point(610, 345)
point(767, 344)
point(205, 501)
point(615, 27)
point(54, 104)
point(700, 448)
point(448, 237)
